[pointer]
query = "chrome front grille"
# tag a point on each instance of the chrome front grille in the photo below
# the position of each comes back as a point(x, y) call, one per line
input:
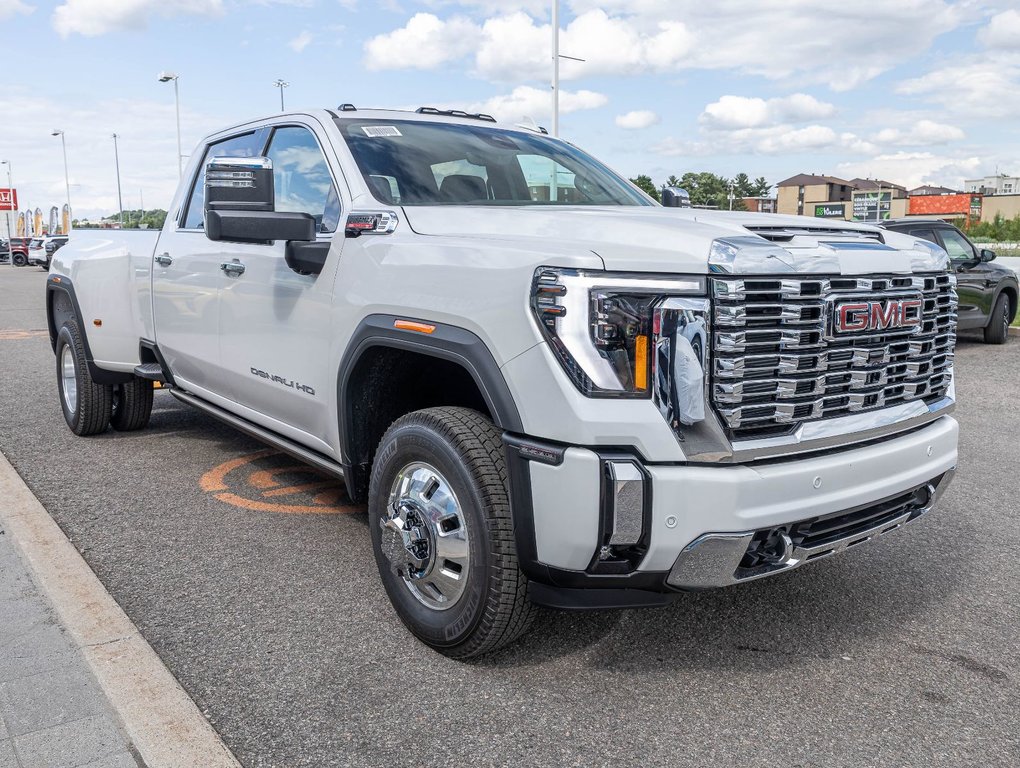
point(777, 360)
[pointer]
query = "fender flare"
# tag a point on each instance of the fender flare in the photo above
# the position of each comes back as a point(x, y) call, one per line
point(56, 283)
point(447, 342)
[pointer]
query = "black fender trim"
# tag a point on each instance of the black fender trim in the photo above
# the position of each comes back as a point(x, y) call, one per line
point(560, 587)
point(447, 342)
point(99, 375)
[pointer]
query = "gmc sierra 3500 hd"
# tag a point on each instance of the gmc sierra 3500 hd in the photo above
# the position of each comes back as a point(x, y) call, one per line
point(548, 389)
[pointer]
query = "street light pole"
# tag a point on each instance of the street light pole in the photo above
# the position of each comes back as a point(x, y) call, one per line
point(166, 77)
point(67, 178)
point(281, 84)
point(120, 200)
point(10, 189)
point(556, 67)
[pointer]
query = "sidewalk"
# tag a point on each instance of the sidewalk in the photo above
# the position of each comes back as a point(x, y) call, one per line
point(52, 710)
point(79, 685)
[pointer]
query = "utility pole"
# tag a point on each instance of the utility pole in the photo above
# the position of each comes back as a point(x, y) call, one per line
point(120, 200)
point(556, 67)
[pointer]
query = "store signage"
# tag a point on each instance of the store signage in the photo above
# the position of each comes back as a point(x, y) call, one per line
point(829, 210)
point(8, 199)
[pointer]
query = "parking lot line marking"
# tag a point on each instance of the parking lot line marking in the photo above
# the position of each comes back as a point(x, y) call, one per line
point(160, 719)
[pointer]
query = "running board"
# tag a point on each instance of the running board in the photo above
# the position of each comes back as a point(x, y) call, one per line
point(306, 455)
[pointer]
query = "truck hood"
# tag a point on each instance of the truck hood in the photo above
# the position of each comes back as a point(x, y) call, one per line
point(675, 240)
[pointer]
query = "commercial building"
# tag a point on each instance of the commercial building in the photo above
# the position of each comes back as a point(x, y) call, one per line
point(799, 194)
point(999, 184)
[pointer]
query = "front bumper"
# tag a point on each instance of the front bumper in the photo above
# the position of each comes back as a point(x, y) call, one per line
point(701, 520)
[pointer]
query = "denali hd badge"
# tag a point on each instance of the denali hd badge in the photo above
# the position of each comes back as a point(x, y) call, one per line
point(902, 314)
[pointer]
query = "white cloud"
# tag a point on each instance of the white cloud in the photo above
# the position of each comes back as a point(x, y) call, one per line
point(795, 41)
point(923, 132)
point(513, 46)
point(733, 112)
point(1003, 31)
point(986, 86)
point(302, 41)
point(912, 169)
point(10, 7)
point(425, 42)
point(639, 118)
point(98, 17)
point(525, 101)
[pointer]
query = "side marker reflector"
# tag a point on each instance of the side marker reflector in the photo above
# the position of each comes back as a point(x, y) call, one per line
point(411, 325)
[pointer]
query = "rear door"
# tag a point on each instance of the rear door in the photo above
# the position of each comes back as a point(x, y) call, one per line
point(187, 279)
point(275, 329)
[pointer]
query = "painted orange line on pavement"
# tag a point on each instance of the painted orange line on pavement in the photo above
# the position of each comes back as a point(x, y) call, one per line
point(17, 335)
point(288, 490)
point(213, 480)
point(266, 478)
point(261, 506)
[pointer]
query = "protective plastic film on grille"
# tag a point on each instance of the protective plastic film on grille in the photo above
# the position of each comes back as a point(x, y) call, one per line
point(790, 350)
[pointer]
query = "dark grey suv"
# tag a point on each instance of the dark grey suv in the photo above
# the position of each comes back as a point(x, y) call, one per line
point(988, 292)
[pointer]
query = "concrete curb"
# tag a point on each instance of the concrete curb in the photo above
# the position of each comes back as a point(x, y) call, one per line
point(163, 723)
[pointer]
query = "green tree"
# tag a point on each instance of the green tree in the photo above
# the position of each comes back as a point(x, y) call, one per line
point(645, 184)
point(760, 187)
point(672, 181)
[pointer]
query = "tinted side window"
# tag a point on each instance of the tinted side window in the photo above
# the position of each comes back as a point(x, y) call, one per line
point(246, 145)
point(301, 177)
point(925, 234)
point(956, 245)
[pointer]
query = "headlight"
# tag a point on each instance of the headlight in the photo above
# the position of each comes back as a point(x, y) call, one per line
point(599, 324)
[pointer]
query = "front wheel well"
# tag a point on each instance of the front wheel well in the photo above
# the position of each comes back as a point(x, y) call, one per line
point(387, 383)
point(1011, 295)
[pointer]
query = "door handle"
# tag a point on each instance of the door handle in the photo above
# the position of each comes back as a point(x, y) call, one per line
point(164, 260)
point(233, 268)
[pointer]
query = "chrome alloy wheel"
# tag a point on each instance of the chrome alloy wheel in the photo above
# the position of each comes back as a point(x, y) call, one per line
point(425, 536)
point(69, 378)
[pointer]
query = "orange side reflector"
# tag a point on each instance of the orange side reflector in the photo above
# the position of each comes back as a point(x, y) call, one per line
point(411, 325)
point(97, 322)
point(641, 363)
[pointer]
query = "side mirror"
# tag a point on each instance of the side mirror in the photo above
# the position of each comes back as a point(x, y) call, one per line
point(675, 197)
point(987, 254)
point(240, 201)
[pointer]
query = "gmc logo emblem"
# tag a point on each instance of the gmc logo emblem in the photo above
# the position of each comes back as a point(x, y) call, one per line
point(863, 316)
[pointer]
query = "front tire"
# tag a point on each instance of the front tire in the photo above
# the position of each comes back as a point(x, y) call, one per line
point(439, 515)
point(997, 330)
point(86, 404)
point(132, 405)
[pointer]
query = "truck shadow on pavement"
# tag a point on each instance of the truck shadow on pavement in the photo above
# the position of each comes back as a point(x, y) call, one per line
point(827, 610)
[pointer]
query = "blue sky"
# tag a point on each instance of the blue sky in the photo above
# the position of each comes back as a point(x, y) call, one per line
point(910, 91)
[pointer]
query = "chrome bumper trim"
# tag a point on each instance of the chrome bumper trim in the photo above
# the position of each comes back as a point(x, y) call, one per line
point(713, 559)
point(844, 430)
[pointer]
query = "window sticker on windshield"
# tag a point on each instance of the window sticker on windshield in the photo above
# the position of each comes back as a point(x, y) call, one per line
point(380, 131)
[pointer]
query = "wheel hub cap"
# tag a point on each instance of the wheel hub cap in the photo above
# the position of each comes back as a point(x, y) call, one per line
point(425, 536)
point(69, 379)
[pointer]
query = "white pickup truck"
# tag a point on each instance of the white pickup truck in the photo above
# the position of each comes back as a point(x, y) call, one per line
point(548, 389)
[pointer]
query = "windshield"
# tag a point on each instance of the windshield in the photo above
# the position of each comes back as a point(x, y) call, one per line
point(406, 162)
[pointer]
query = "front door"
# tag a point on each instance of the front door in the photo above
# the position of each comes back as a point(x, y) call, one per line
point(275, 323)
point(187, 280)
point(974, 284)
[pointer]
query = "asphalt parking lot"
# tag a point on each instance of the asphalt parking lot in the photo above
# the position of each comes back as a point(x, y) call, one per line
point(254, 581)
